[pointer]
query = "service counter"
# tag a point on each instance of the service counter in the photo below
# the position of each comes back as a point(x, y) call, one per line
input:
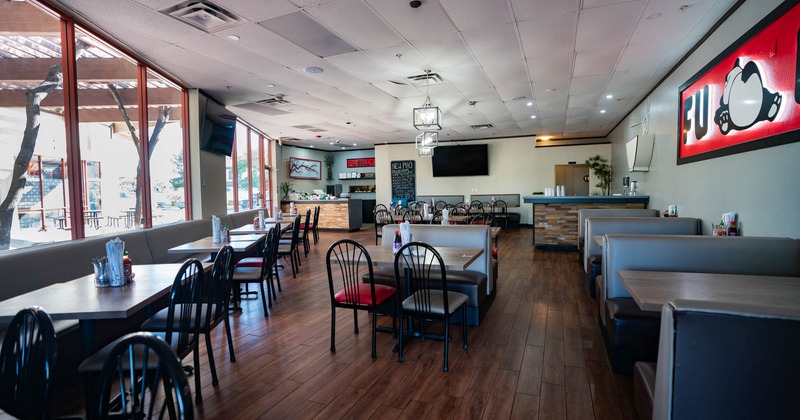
point(339, 214)
point(555, 219)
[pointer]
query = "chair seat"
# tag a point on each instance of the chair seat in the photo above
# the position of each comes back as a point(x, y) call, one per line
point(644, 386)
point(246, 274)
point(454, 301)
point(158, 322)
point(250, 262)
point(363, 295)
point(95, 362)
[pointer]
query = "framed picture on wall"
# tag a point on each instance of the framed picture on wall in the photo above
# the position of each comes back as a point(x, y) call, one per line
point(300, 168)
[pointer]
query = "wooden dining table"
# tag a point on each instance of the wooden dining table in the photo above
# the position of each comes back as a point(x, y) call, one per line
point(652, 289)
point(239, 243)
point(454, 258)
point(249, 229)
point(81, 300)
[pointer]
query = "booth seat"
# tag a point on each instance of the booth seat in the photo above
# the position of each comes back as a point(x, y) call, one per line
point(598, 226)
point(632, 334)
point(583, 214)
point(478, 282)
point(722, 361)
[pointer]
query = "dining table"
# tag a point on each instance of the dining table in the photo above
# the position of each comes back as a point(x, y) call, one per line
point(454, 258)
point(250, 229)
point(652, 289)
point(79, 299)
point(239, 243)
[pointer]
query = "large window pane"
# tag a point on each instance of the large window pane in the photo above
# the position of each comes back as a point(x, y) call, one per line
point(30, 60)
point(108, 112)
point(167, 183)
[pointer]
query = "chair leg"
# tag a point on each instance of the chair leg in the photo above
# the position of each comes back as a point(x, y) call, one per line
point(374, 331)
point(211, 364)
point(355, 321)
point(394, 316)
point(198, 396)
point(333, 329)
point(230, 338)
point(263, 298)
point(446, 340)
point(278, 279)
point(464, 323)
point(400, 340)
point(270, 291)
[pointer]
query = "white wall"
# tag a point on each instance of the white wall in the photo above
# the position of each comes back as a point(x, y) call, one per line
point(515, 167)
point(340, 165)
point(282, 158)
point(759, 185)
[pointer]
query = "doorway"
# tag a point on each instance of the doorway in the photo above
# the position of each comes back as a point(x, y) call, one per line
point(574, 178)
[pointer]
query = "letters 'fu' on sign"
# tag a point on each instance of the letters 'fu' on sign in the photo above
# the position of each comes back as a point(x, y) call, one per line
point(748, 97)
point(404, 182)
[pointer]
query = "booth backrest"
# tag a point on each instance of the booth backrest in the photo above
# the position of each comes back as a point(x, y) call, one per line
point(584, 213)
point(596, 226)
point(725, 361)
point(696, 254)
point(464, 236)
point(162, 238)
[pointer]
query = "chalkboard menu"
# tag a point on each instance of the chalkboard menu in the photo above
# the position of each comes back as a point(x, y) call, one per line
point(404, 180)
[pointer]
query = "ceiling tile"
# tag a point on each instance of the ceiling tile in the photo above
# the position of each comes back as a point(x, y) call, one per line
point(227, 52)
point(592, 63)
point(545, 35)
point(409, 62)
point(446, 52)
point(484, 43)
point(607, 27)
point(356, 23)
point(504, 73)
point(551, 67)
point(472, 14)
point(426, 22)
point(588, 85)
point(362, 66)
point(264, 42)
point(530, 9)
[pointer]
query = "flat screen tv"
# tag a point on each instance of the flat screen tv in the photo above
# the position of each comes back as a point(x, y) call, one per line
point(468, 160)
point(217, 127)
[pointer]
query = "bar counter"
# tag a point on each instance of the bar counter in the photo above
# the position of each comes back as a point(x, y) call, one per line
point(555, 219)
point(339, 214)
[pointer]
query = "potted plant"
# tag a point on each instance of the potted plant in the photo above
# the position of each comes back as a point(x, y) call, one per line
point(286, 188)
point(602, 171)
point(329, 164)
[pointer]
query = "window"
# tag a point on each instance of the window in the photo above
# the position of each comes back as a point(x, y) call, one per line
point(249, 187)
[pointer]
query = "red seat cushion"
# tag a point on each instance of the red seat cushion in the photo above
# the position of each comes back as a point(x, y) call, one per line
point(250, 262)
point(494, 251)
point(363, 295)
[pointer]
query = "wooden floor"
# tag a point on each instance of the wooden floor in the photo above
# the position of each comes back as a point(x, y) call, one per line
point(537, 353)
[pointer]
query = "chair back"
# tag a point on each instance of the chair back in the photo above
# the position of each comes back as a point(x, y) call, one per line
point(382, 218)
point(412, 216)
point(158, 386)
point(347, 261)
point(415, 205)
point(379, 207)
point(500, 207)
point(440, 205)
point(307, 225)
point(437, 218)
point(271, 245)
point(476, 206)
point(219, 288)
point(27, 364)
point(458, 211)
point(185, 302)
point(295, 232)
point(419, 269)
point(316, 217)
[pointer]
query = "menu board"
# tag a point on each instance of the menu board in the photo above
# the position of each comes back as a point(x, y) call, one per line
point(404, 180)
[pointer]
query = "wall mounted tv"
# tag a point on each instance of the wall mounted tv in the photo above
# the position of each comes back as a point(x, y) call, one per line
point(469, 160)
point(217, 127)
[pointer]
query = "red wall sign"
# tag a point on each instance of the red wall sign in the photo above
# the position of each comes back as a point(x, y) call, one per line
point(361, 163)
point(748, 97)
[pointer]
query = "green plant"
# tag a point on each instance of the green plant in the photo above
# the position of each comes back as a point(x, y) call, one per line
point(329, 159)
point(602, 171)
point(285, 188)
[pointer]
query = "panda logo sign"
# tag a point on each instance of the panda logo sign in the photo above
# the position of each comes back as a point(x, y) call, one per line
point(745, 101)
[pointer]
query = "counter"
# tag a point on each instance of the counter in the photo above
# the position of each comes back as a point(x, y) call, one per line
point(339, 214)
point(555, 219)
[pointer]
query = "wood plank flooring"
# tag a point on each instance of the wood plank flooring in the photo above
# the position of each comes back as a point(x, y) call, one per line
point(537, 354)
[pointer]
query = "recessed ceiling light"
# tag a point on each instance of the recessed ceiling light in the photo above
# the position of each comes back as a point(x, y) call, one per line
point(533, 117)
point(354, 144)
point(653, 16)
point(550, 90)
point(519, 98)
point(529, 103)
point(233, 37)
point(602, 111)
point(609, 96)
point(312, 146)
point(313, 70)
point(330, 143)
point(343, 147)
point(545, 138)
point(271, 85)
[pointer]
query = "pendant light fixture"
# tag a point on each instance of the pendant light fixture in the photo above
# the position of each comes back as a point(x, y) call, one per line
point(427, 117)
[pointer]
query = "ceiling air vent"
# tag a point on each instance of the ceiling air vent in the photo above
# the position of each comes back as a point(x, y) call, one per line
point(203, 15)
point(421, 79)
point(481, 126)
point(275, 101)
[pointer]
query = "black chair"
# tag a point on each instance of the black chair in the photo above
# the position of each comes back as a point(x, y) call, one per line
point(379, 207)
point(288, 248)
point(217, 292)
point(412, 216)
point(304, 239)
point(437, 218)
point(154, 387)
point(246, 272)
point(382, 218)
point(440, 205)
point(415, 205)
point(27, 365)
point(476, 207)
point(425, 294)
point(180, 329)
point(500, 213)
point(348, 289)
point(315, 225)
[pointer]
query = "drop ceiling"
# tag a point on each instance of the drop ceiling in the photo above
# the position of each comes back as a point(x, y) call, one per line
point(567, 69)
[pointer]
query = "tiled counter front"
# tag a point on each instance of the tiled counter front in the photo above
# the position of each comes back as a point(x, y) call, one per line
point(555, 219)
point(334, 215)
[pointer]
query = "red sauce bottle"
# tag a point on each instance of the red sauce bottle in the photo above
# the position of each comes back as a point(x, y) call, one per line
point(127, 268)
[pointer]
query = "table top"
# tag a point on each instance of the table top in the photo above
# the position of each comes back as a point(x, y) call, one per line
point(454, 258)
point(249, 229)
point(652, 289)
point(598, 239)
point(495, 231)
point(80, 299)
point(207, 244)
